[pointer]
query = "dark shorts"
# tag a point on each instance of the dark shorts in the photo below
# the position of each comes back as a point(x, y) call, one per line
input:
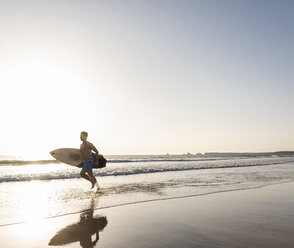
point(88, 164)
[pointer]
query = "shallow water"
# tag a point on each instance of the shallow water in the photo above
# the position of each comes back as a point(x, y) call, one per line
point(45, 191)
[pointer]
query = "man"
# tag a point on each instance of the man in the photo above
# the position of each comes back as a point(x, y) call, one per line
point(86, 150)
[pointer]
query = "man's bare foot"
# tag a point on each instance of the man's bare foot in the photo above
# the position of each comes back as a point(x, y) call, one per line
point(93, 185)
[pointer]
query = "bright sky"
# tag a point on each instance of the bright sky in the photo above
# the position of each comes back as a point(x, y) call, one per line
point(147, 77)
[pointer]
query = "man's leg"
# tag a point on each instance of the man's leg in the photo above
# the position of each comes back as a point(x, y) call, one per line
point(92, 177)
point(84, 175)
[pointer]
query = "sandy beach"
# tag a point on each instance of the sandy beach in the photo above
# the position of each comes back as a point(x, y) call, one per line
point(261, 217)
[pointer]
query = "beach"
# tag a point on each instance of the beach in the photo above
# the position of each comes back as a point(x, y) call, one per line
point(150, 201)
point(261, 217)
point(185, 107)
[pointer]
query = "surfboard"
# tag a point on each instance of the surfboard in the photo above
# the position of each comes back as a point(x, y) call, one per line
point(73, 157)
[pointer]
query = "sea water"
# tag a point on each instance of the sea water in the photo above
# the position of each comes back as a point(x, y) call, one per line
point(46, 189)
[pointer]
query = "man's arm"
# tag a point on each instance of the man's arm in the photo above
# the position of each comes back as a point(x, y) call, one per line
point(96, 152)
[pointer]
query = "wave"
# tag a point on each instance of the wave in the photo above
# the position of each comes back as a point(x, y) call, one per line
point(123, 171)
point(212, 156)
point(158, 160)
point(53, 161)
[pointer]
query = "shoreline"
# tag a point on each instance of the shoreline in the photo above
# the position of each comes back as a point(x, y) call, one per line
point(152, 200)
point(260, 217)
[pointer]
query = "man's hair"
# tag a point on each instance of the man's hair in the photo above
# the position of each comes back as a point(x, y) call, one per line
point(85, 134)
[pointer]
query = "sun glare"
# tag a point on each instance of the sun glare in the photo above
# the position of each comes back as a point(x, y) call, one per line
point(33, 201)
point(41, 92)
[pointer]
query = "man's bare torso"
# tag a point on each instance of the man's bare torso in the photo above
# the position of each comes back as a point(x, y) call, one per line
point(86, 150)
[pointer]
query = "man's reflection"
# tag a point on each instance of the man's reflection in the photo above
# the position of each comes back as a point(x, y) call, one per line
point(83, 230)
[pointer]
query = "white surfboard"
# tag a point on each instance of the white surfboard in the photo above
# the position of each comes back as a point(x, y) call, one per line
point(74, 157)
point(69, 156)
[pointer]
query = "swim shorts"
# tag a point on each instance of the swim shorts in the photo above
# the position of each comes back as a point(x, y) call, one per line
point(88, 164)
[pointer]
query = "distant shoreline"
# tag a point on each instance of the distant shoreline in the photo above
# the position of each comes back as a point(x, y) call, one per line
point(26, 162)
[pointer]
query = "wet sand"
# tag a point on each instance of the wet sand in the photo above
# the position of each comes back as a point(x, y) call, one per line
point(262, 217)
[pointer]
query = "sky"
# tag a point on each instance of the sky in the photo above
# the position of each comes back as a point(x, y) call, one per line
point(146, 77)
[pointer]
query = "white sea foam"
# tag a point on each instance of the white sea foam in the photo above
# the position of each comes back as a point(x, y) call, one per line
point(118, 168)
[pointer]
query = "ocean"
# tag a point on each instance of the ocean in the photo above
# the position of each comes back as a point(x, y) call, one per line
point(31, 190)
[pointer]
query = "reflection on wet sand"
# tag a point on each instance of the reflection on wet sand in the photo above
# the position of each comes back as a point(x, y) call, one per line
point(83, 230)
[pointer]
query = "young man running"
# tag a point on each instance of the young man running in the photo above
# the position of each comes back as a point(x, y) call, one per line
point(86, 150)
